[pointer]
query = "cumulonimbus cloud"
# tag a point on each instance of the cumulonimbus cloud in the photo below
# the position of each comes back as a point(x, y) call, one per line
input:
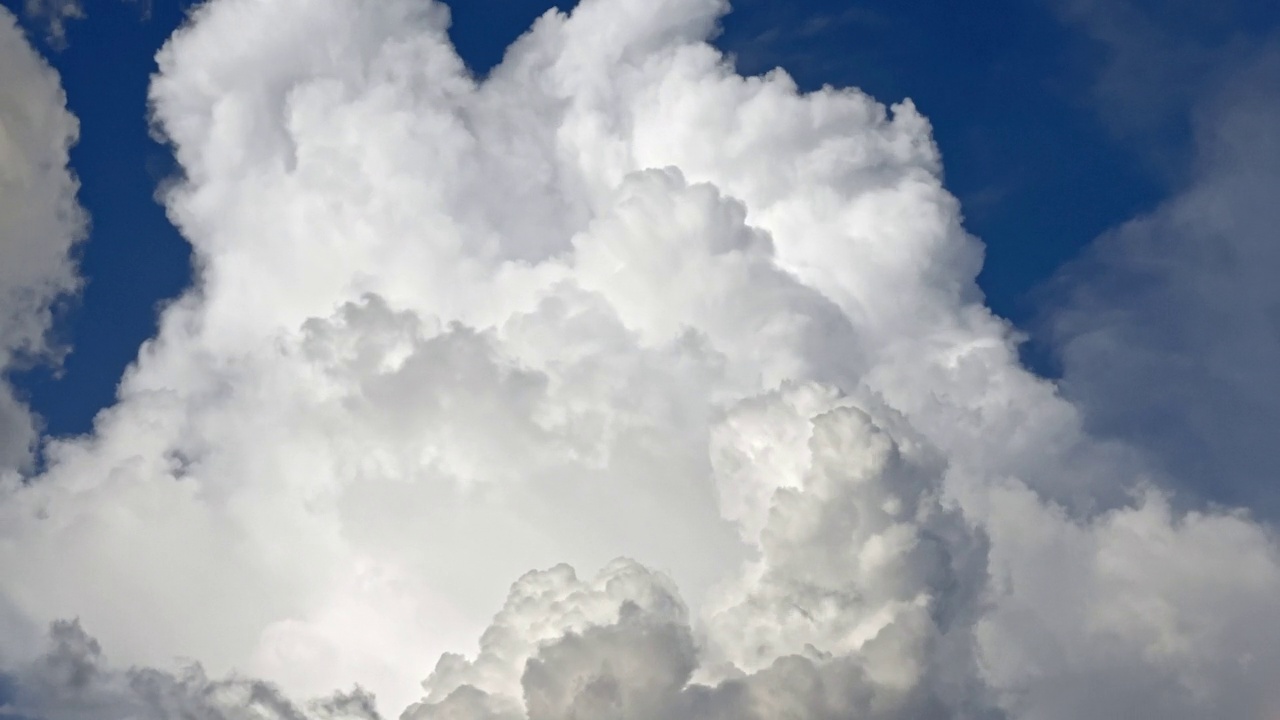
point(611, 300)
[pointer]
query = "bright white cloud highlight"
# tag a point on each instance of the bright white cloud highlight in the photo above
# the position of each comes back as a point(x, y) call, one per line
point(613, 300)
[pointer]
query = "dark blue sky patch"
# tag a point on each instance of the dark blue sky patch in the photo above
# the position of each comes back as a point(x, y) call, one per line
point(482, 29)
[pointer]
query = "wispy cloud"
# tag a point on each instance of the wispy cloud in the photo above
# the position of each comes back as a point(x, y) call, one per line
point(54, 15)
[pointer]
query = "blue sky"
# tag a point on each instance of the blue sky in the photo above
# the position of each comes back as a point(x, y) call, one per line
point(1007, 85)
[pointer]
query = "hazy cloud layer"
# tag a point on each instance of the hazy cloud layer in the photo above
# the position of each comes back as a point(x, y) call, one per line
point(1158, 65)
point(1170, 325)
point(39, 222)
point(614, 300)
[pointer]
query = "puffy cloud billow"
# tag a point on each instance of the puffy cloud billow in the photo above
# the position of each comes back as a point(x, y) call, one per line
point(612, 300)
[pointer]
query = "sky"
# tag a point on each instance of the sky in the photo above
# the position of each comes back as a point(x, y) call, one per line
point(496, 361)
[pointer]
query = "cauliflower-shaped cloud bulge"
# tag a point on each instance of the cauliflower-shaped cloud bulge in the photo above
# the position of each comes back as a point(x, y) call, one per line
point(612, 299)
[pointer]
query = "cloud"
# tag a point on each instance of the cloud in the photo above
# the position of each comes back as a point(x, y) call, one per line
point(1169, 326)
point(1139, 611)
point(55, 14)
point(40, 222)
point(613, 300)
point(1155, 63)
point(72, 679)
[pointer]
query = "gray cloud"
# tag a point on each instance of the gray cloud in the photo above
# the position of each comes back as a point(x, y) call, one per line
point(72, 679)
point(1155, 64)
point(39, 223)
point(1169, 326)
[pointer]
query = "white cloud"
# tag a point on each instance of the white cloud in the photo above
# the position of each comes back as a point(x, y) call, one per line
point(1137, 612)
point(39, 222)
point(615, 300)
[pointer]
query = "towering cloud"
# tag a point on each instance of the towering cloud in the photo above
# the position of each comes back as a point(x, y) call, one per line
point(611, 300)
